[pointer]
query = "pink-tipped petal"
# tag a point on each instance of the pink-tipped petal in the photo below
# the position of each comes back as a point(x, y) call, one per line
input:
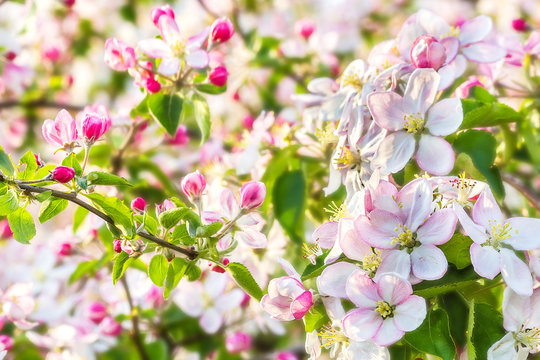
point(393, 289)
point(476, 232)
point(411, 313)
point(475, 29)
point(361, 324)
point(386, 109)
point(438, 228)
point(420, 204)
point(301, 305)
point(326, 234)
point(485, 260)
point(388, 333)
point(395, 261)
point(486, 211)
point(379, 230)
point(435, 155)
point(524, 233)
point(351, 244)
point(333, 279)
point(361, 290)
point(155, 48)
point(421, 91)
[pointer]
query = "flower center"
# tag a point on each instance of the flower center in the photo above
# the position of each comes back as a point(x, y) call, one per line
point(371, 263)
point(385, 309)
point(464, 186)
point(331, 336)
point(337, 212)
point(530, 338)
point(347, 159)
point(499, 232)
point(351, 80)
point(405, 238)
point(326, 136)
point(414, 123)
point(178, 47)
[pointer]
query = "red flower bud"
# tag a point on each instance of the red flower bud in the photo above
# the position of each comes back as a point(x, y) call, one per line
point(117, 246)
point(96, 312)
point(252, 195)
point(193, 185)
point(222, 30)
point(63, 174)
point(138, 204)
point(152, 86)
point(304, 28)
point(520, 25)
point(218, 76)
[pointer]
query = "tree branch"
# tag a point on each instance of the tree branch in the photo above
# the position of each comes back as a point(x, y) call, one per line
point(136, 335)
point(520, 186)
point(191, 254)
point(39, 103)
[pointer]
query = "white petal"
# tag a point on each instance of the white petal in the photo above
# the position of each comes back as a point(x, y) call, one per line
point(386, 109)
point(445, 117)
point(475, 29)
point(395, 261)
point(350, 243)
point(393, 289)
point(411, 313)
point(394, 152)
point(486, 211)
point(435, 155)
point(421, 91)
point(155, 48)
point(333, 279)
point(515, 273)
point(361, 290)
point(438, 228)
point(525, 233)
point(486, 260)
point(503, 349)
point(484, 52)
point(198, 59)
point(211, 321)
point(169, 66)
point(388, 333)
point(476, 232)
point(361, 324)
point(428, 262)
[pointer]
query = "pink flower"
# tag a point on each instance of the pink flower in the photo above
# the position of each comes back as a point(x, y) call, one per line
point(413, 116)
point(252, 195)
point(63, 174)
point(520, 25)
point(152, 85)
point(5, 230)
point(17, 304)
point(110, 327)
point(138, 204)
point(64, 249)
point(62, 131)
point(117, 246)
point(7, 342)
point(167, 205)
point(218, 76)
point(118, 55)
point(427, 52)
point(238, 342)
point(495, 239)
point(462, 91)
point(475, 41)
point(193, 185)
point(171, 47)
point(285, 355)
point(96, 312)
point(287, 299)
point(411, 236)
point(94, 126)
point(222, 30)
point(304, 28)
point(181, 137)
point(386, 309)
point(158, 11)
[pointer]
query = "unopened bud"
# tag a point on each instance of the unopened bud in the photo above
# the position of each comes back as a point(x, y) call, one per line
point(252, 195)
point(63, 174)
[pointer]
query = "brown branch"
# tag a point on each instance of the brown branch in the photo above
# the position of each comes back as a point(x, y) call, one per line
point(136, 335)
point(191, 254)
point(116, 161)
point(40, 103)
point(520, 186)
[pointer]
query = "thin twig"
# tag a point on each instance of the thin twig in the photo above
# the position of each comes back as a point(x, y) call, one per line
point(207, 9)
point(40, 103)
point(191, 254)
point(520, 186)
point(136, 335)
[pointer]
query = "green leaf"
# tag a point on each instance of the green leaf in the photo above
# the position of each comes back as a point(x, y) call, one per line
point(157, 269)
point(481, 147)
point(243, 278)
point(458, 310)
point(22, 225)
point(457, 250)
point(150, 224)
point(477, 114)
point(485, 328)
point(89, 268)
point(119, 213)
point(168, 219)
point(211, 89)
point(202, 116)
point(51, 207)
point(121, 263)
point(6, 165)
point(433, 336)
point(166, 110)
point(44, 196)
point(181, 235)
point(481, 94)
point(157, 350)
point(177, 269)
point(72, 162)
point(78, 217)
point(27, 166)
point(453, 279)
point(209, 230)
point(8, 202)
point(141, 109)
point(314, 270)
point(102, 178)
point(289, 198)
point(315, 318)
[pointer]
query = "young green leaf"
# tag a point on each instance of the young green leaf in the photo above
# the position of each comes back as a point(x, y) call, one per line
point(121, 263)
point(175, 273)
point(166, 110)
point(78, 217)
point(51, 207)
point(485, 328)
point(27, 166)
point(22, 225)
point(202, 116)
point(119, 213)
point(157, 269)
point(102, 178)
point(211, 89)
point(8, 202)
point(72, 162)
point(243, 278)
point(457, 250)
point(6, 165)
point(289, 198)
point(315, 318)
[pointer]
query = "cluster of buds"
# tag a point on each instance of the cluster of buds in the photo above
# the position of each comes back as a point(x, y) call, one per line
point(172, 51)
point(132, 248)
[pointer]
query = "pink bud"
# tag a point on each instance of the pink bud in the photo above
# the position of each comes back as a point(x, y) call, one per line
point(226, 261)
point(462, 91)
point(154, 296)
point(520, 25)
point(5, 230)
point(218, 269)
point(39, 162)
point(252, 195)
point(10, 55)
point(304, 28)
point(7, 341)
point(167, 205)
point(118, 55)
point(96, 312)
point(64, 249)
point(248, 122)
point(181, 137)
point(158, 11)
point(238, 342)
point(193, 185)
point(286, 355)
point(222, 30)
point(138, 204)
point(94, 126)
point(69, 3)
point(427, 52)
point(152, 86)
point(3, 320)
point(63, 174)
point(117, 246)
point(110, 327)
point(218, 76)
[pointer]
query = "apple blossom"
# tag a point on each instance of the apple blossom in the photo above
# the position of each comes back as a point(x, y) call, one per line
point(94, 127)
point(62, 131)
point(386, 309)
point(110, 327)
point(138, 204)
point(96, 312)
point(158, 11)
point(495, 240)
point(252, 195)
point(238, 342)
point(193, 185)
point(118, 55)
point(427, 52)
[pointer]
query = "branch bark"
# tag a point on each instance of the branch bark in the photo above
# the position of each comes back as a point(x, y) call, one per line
point(520, 186)
point(39, 103)
point(191, 254)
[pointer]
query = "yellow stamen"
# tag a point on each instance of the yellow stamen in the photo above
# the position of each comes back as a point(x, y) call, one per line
point(371, 263)
point(384, 309)
point(346, 159)
point(351, 80)
point(337, 212)
point(327, 136)
point(330, 336)
point(414, 123)
point(405, 237)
